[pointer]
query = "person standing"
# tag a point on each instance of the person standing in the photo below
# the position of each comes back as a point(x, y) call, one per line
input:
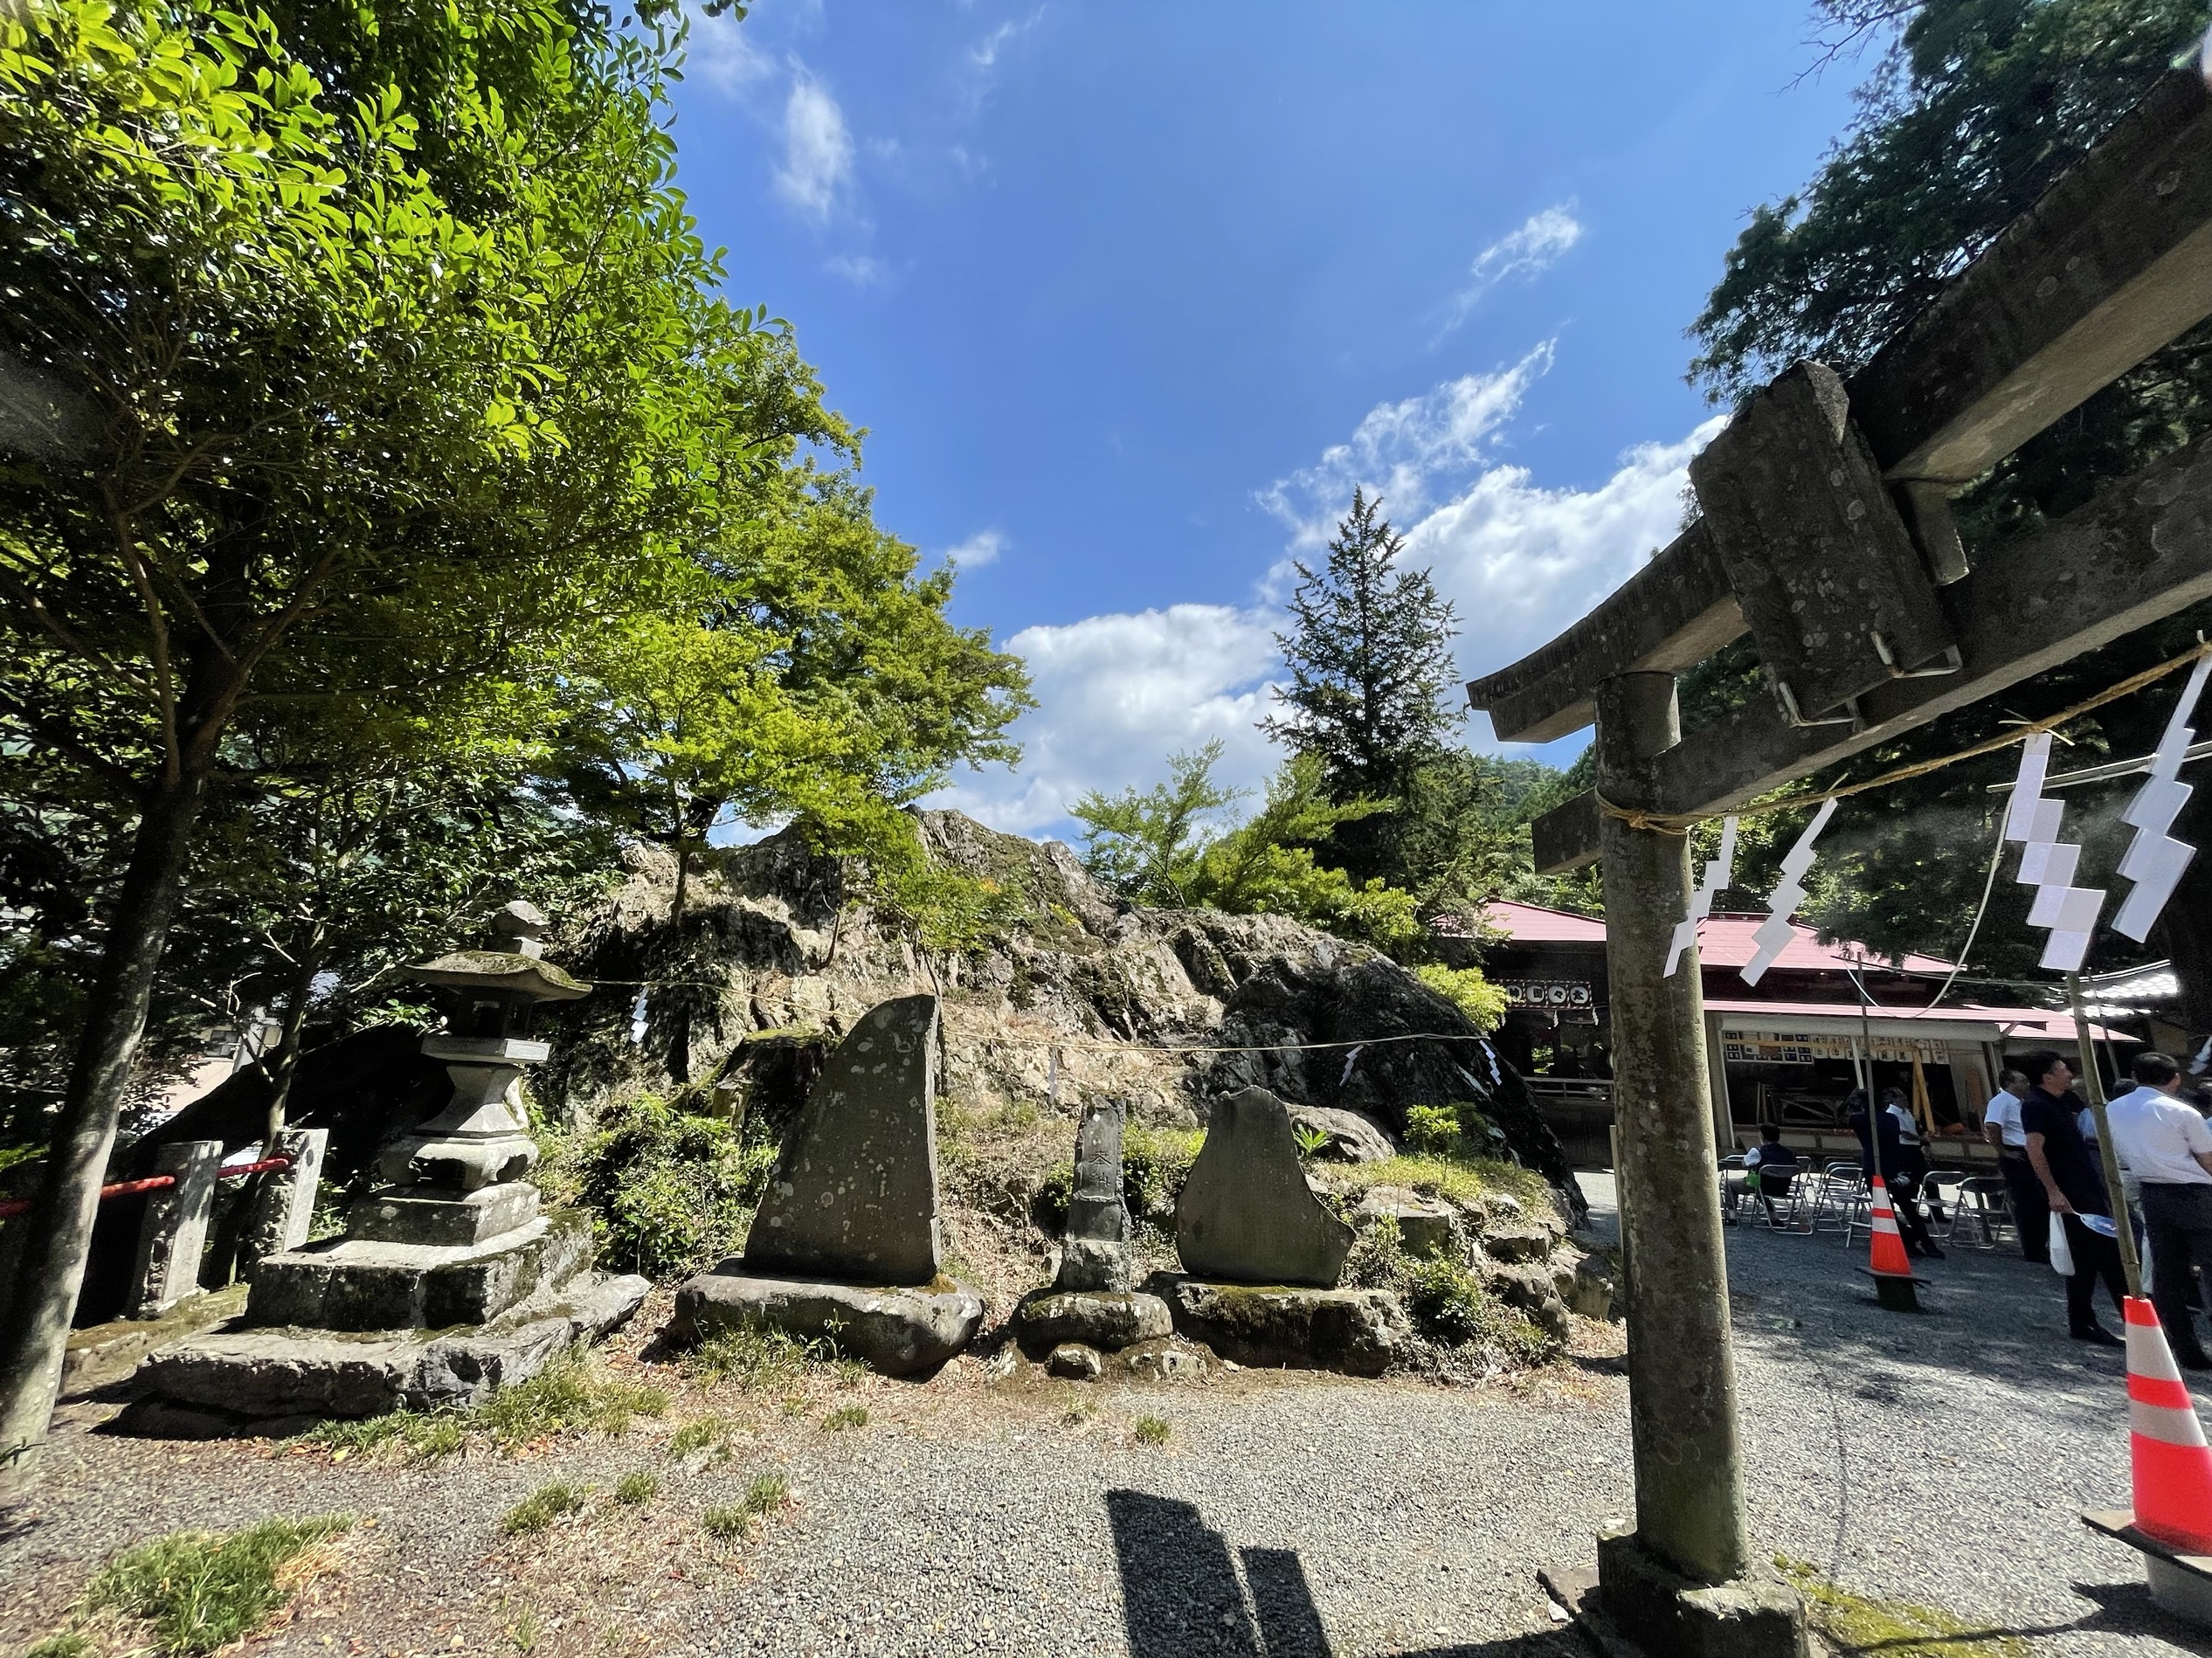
point(2000, 1128)
point(1912, 1153)
point(2048, 1122)
point(2166, 1145)
point(1879, 1146)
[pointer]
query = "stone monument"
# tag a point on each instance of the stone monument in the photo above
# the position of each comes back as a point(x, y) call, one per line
point(1263, 1254)
point(1091, 1303)
point(449, 1283)
point(846, 1245)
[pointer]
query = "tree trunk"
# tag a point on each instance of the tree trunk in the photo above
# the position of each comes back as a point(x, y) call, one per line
point(677, 1003)
point(34, 1325)
point(307, 963)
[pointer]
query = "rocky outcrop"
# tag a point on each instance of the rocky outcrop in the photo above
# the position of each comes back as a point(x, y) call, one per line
point(780, 953)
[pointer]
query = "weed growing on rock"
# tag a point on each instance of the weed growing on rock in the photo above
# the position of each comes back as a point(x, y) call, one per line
point(1475, 1181)
point(1448, 1304)
point(847, 1416)
point(1151, 1430)
point(1895, 1628)
point(635, 1489)
point(202, 1589)
point(542, 1507)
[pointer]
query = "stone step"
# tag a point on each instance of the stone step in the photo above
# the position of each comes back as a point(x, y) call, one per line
point(229, 1378)
point(365, 1284)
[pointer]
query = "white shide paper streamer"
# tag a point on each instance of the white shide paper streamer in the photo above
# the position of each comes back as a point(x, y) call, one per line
point(1775, 932)
point(2048, 863)
point(1718, 870)
point(2155, 859)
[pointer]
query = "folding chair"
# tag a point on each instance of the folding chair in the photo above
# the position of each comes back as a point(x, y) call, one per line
point(1939, 1189)
point(1981, 1209)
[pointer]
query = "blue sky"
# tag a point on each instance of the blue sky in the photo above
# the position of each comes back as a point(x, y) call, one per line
point(1131, 295)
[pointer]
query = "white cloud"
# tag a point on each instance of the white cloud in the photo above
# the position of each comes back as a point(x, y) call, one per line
point(861, 270)
point(818, 149)
point(985, 53)
point(1402, 451)
point(1520, 562)
point(980, 548)
point(1528, 252)
point(1116, 695)
point(722, 54)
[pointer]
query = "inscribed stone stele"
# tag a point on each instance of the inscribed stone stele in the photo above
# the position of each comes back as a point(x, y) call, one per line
point(854, 1195)
point(1246, 1215)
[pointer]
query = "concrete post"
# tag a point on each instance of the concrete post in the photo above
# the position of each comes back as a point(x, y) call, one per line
point(283, 1208)
point(175, 1231)
point(1689, 1534)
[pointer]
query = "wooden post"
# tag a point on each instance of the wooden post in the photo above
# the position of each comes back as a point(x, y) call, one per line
point(2107, 1154)
point(1682, 1362)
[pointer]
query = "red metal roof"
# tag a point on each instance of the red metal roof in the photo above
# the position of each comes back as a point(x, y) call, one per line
point(1723, 941)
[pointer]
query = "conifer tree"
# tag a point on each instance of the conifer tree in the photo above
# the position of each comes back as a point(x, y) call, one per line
point(1370, 670)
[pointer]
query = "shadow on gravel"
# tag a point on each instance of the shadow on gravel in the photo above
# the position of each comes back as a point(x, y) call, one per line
point(1180, 1593)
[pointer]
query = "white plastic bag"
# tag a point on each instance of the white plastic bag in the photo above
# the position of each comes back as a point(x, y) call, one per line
point(2062, 1254)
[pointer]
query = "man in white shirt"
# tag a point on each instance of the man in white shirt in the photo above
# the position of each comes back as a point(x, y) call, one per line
point(2166, 1146)
point(2000, 1128)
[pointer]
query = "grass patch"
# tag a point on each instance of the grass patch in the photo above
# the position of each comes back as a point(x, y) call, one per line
point(756, 1358)
point(201, 1590)
point(849, 1416)
point(697, 1436)
point(1893, 1629)
point(426, 1435)
point(568, 1393)
point(1151, 1430)
point(766, 1494)
point(1460, 1179)
point(542, 1507)
point(764, 1497)
point(1448, 1304)
point(66, 1643)
point(634, 1490)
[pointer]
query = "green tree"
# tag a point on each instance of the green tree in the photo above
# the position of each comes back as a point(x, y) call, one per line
point(1973, 108)
point(1145, 843)
point(357, 356)
point(1158, 846)
point(1369, 651)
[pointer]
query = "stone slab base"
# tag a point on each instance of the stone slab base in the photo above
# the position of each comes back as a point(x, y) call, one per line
point(363, 1284)
point(102, 1355)
point(246, 1375)
point(898, 1332)
point(1360, 1332)
point(1091, 1318)
point(1641, 1605)
point(443, 1215)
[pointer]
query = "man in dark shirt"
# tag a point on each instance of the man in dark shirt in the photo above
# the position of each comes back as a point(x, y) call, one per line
point(2050, 1116)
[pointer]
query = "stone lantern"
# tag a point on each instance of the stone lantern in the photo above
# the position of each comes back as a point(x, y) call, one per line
point(481, 1140)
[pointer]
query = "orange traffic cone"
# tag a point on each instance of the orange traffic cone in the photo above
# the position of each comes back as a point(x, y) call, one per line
point(2173, 1466)
point(1894, 1285)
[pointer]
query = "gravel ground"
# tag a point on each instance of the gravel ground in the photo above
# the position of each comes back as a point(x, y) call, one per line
point(1941, 1458)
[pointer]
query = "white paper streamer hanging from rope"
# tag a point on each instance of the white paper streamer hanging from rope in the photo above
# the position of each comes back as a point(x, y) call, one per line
point(2155, 859)
point(1775, 932)
point(2048, 863)
point(1718, 870)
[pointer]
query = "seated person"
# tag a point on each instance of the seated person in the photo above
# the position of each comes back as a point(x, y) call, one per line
point(1768, 1161)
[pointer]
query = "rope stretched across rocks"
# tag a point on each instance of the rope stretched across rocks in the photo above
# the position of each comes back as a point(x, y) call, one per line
point(1678, 824)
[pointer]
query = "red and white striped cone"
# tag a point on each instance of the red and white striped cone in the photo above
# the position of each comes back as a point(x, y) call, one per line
point(2173, 1467)
point(1894, 1285)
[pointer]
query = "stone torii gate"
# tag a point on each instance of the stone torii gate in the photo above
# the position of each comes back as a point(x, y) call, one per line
point(1825, 532)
